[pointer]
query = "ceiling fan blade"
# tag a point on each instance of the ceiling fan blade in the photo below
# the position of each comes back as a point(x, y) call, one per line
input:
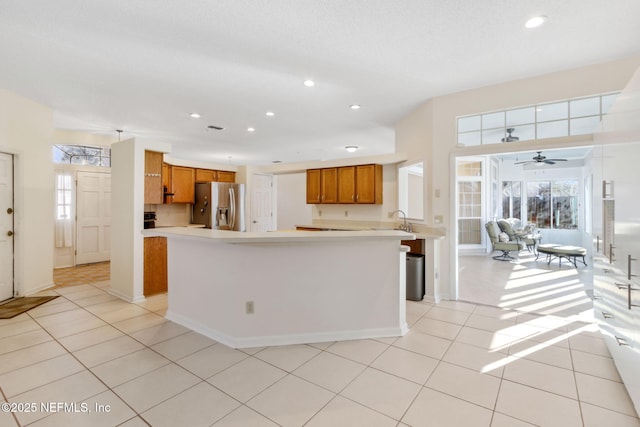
point(524, 162)
point(550, 161)
point(558, 160)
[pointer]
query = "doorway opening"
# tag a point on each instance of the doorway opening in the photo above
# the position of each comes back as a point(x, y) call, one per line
point(496, 186)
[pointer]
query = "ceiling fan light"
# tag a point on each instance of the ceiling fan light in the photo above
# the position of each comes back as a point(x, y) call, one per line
point(351, 148)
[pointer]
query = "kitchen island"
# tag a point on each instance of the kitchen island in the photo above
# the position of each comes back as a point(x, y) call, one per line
point(275, 288)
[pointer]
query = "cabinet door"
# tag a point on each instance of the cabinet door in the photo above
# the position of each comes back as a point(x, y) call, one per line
point(183, 181)
point(153, 177)
point(205, 175)
point(347, 184)
point(313, 185)
point(155, 265)
point(329, 184)
point(369, 184)
point(226, 176)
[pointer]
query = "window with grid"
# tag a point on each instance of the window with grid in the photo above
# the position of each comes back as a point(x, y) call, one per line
point(568, 117)
point(470, 202)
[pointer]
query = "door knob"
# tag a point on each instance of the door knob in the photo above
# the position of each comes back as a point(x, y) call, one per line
point(9, 233)
point(9, 211)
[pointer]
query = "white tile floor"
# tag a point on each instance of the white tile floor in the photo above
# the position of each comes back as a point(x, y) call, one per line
point(460, 365)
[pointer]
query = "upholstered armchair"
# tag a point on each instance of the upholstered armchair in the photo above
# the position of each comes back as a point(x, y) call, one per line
point(505, 246)
point(514, 230)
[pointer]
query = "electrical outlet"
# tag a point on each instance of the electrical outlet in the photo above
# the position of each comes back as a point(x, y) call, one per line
point(346, 213)
point(250, 307)
point(438, 219)
point(319, 212)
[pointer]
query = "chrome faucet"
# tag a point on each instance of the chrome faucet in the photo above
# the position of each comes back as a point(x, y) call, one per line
point(404, 226)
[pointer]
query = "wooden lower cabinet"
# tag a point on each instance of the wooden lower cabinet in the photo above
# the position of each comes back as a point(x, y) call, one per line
point(155, 265)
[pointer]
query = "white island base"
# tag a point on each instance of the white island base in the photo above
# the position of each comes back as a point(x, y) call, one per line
point(303, 287)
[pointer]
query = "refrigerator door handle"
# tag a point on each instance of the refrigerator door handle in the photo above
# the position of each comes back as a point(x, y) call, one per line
point(232, 202)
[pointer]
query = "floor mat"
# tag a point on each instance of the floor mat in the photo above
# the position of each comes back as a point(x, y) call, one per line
point(21, 305)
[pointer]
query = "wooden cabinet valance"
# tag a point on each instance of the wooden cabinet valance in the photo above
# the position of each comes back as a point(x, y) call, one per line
point(361, 184)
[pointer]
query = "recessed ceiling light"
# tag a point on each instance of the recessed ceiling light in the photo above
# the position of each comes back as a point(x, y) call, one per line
point(309, 83)
point(535, 22)
point(354, 106)
point(194, 115)
point(270, 113)
point(351, 148)
point(251, 129)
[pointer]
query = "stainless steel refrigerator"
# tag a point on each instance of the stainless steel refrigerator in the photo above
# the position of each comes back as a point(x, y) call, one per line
point(220, 206)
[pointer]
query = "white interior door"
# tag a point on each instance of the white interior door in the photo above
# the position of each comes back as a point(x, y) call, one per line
point(93, 223)
point(6, 226)
point(262, 203)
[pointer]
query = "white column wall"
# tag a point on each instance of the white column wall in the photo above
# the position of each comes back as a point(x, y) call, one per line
point(26, 132)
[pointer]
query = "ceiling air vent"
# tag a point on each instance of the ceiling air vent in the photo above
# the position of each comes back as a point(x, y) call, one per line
point(212, 127)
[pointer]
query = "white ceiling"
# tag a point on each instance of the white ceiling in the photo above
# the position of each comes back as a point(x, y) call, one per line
point(142, 66)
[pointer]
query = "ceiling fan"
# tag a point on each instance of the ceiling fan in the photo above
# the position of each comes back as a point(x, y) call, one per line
point(509, 137)
point(541, 159)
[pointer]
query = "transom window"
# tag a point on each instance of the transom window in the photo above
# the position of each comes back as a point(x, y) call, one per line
point(569, 117)
point(82, 155)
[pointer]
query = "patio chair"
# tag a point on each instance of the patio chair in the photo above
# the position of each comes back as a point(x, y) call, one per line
point(505, 246)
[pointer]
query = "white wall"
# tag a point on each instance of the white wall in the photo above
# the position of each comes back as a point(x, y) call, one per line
point(291, 207)
point(26, 132)
point(127, 220)
point(429, 133)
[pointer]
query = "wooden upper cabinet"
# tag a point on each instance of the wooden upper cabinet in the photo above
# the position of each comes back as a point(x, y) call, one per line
point(153, 193)
point(329, 185)
point(183, 182)
point(226, 176)
point(344, 185)
point(313, 185)
point(369, 184)
point(347, 184)
point(208, 175)
point(205, 175)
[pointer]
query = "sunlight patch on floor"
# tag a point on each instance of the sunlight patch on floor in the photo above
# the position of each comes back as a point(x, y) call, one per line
point(535, 347)
point(536, 276)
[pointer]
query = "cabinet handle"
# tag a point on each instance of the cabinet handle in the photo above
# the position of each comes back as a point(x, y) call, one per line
point(629, 290)
point(611, 253)
point(357, 197)
point(629, 275)
point(607, 315)
point(597, 243)
point(621, 341)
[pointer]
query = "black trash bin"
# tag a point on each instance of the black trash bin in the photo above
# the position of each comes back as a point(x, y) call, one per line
point(415, 277)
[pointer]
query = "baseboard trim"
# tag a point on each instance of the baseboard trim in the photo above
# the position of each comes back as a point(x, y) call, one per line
point(287, 339)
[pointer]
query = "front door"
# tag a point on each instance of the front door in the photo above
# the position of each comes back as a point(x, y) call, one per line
point(6, 226)
point(93, 224)
point(261, 203)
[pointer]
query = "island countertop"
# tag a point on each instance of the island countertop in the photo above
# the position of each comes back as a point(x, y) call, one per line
point(223, 236)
